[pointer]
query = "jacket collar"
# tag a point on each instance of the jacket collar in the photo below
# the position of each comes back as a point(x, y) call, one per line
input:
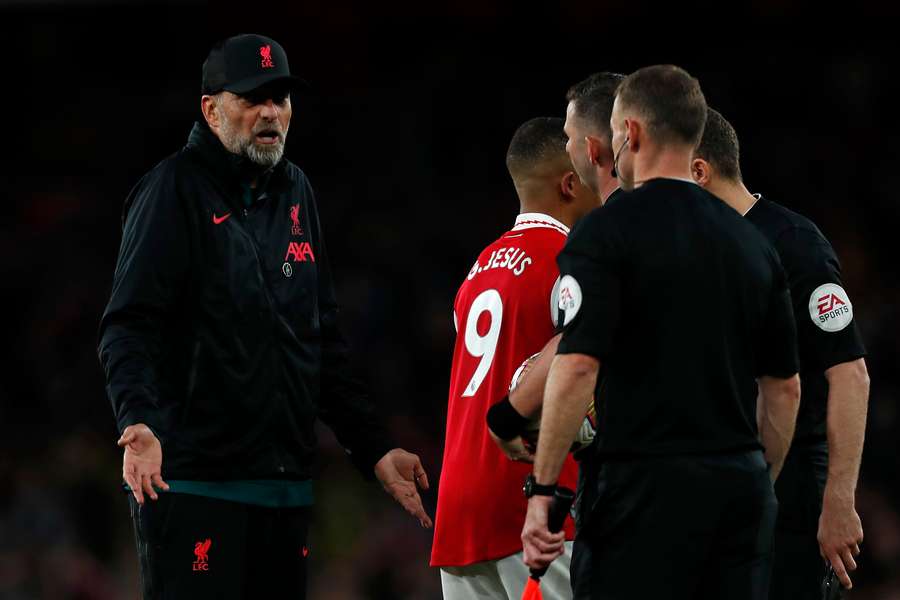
point(235, 171)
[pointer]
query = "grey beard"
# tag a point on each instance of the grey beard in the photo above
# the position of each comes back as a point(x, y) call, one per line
point(265, 156)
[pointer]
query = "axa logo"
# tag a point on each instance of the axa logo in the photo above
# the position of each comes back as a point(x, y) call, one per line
point(300, 252)
point(201, 552)
point(266, 53)
point(295, 217)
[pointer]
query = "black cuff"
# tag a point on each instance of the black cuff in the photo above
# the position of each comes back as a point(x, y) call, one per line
point(505, 421)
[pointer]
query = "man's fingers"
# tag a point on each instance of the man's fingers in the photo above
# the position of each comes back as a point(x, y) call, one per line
point(538, 560)
point(544, 542)
point(411, 501)
point(148, 486)
point(847, 557)
point(838, 566)
point(856, 550)
point(134, 483)
point(413, 506)
point(126, 439)
point(548, 548)
point(420, 476)
point(157, 480)
point(545, 536)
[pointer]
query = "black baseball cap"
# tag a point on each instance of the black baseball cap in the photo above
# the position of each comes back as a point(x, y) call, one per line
point(243, 63)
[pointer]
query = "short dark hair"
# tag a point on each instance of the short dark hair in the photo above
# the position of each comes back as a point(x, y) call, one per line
point(536, 142)
point(593, 99)
point(719, 146)
point(670, 99)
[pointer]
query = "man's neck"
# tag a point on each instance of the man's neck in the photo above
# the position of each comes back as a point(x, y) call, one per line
point(736, 195)
point(607, 188)
point(672, 163)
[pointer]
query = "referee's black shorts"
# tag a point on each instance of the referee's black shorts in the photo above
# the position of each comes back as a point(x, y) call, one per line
point(675, 527)
point(798, 567)
point(197, 547)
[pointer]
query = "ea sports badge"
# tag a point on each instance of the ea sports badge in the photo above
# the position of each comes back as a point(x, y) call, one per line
point(569, 298)
point(830, 308)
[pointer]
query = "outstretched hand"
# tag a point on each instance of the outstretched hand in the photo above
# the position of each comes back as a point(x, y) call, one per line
point(400, 472)
point(142, 462)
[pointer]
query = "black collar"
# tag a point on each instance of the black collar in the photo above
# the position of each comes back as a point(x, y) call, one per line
point(613, 196)
point(235, 171)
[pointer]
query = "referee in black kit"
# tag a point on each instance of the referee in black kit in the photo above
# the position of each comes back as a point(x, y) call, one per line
point(823, 463)
point(683, 304)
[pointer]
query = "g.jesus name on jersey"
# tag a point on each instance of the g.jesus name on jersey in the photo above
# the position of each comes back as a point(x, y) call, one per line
point(504, 312)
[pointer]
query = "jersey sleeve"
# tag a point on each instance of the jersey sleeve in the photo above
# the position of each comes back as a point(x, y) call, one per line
point(591, 266)
point(826, 330)
point(149, 282)
point(778, 348)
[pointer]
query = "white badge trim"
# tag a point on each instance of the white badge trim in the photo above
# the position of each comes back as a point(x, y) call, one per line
point(830, 308)
point(554, 303)
point(569, 298)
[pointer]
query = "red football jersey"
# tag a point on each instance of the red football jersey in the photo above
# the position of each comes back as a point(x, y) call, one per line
point(504, 312)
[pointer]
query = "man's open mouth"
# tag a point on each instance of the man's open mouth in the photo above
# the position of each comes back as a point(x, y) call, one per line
point(267, 137)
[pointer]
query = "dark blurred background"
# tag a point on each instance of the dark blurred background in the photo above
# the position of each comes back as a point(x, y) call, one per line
point(403, 136)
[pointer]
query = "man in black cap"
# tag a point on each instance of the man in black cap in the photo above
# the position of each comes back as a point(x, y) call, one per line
point(221, 347)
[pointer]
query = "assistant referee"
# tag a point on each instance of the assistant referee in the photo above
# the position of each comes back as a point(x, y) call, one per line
point(817, 487)
point(683, 305)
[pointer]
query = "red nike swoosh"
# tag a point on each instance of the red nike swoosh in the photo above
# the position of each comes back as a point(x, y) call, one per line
point(221, 219)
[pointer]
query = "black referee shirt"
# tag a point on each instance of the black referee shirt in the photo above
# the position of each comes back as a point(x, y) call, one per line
point(826, 332)
point(684, 303)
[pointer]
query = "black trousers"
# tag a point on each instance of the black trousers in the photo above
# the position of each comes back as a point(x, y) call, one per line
point(193, 547)
point(797, 566)
point(675, 527)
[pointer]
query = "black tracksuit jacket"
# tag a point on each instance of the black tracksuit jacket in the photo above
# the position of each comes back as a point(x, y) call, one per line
point(221, 332)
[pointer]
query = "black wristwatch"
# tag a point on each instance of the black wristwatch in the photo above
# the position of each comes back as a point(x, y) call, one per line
point(533, 488)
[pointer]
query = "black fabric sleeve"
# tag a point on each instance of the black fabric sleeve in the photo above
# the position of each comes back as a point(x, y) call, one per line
point(590, 291)
point(149, 280)
point(345, 405)
point(826, 329)
point(778, 344)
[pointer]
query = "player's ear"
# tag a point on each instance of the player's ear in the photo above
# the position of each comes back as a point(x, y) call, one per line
point(567, 185)
point(634, 132)
point(594, 149)
point(700, 171)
